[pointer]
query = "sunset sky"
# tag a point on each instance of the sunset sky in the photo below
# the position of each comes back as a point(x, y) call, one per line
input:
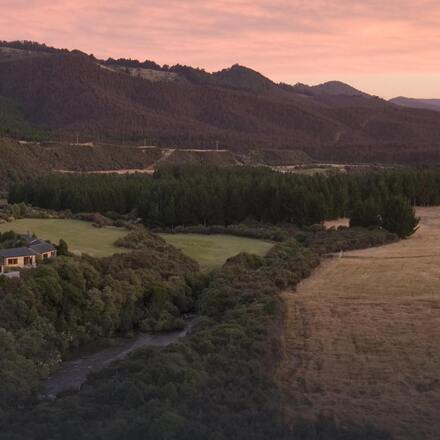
point(384, 47)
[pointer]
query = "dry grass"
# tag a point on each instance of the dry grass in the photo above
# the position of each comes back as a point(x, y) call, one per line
point(362, 340)
point(336, 223)
point(148, 74)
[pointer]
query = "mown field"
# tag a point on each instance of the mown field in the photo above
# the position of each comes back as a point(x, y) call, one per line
point(362, 339)
point(212, 251)
point(209, 251)
point(82, 237)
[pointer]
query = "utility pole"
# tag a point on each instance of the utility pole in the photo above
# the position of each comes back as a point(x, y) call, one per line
point(216, 145)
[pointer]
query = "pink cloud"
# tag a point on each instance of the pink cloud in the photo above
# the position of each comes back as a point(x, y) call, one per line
point(283, 39)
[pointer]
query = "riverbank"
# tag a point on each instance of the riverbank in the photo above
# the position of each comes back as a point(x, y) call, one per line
point(73, 373)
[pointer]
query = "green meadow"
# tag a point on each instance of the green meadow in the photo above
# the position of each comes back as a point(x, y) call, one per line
point(82, 237)
point(209, 251)
point(212, 251)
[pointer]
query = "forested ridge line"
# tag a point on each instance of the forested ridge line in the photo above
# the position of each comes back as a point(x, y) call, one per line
point(185, 195)
point(251, 111)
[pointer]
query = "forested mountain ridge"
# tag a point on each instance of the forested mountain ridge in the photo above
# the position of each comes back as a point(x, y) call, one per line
point(70, 93)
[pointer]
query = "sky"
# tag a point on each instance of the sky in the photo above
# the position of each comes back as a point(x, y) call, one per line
point(384, 47)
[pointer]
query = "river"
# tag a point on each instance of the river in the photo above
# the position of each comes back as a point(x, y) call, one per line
point(71, 374)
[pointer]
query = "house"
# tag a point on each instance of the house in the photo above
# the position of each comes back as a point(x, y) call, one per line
point(42, 248)
point(17, 258)
point(26, 257)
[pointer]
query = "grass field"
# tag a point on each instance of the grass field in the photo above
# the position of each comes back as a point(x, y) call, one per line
point(81, 236)
point(213, 250)
point(362, 339)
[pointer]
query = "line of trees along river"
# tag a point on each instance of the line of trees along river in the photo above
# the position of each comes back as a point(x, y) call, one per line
point(218, 383)
point(70, 301)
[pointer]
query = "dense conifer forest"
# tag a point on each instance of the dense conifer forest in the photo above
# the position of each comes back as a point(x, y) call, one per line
point(224, 196)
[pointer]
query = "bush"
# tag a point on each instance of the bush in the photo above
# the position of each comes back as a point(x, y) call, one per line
point(261, 231)
point(70, 301)
point(218, 383)
point(347, 239)
point(62, 248)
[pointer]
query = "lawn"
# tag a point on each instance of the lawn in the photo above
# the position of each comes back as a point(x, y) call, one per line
point(82, 237)
point(213, 250)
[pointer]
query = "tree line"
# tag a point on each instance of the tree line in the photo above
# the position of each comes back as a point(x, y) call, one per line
point(223, 196)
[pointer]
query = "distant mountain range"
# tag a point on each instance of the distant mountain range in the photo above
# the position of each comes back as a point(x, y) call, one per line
point(47, 92)
point(426, 104)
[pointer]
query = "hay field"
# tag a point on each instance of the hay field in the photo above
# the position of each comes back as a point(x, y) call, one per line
point(362, 339)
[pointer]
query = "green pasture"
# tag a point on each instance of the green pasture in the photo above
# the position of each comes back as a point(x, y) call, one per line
point(213, 250)
point(82, 237)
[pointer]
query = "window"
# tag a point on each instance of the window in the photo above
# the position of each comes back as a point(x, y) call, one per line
point(12, 261)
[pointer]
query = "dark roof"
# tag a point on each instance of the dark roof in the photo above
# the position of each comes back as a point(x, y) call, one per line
point(42, 247)
point(30, 239)
point(16, 252)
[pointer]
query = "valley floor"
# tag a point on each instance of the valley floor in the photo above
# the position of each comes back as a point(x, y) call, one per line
point(362, 339)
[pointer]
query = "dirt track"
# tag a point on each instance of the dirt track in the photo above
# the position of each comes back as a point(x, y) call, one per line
point(363, 337)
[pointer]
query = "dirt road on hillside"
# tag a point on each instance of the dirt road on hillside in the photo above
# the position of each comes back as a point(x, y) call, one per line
point(362, 339)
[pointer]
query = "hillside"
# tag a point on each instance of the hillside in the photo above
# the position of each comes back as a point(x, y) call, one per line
point(127, 101)
point(426, 104)
point(21, 159)
point(337, 88)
